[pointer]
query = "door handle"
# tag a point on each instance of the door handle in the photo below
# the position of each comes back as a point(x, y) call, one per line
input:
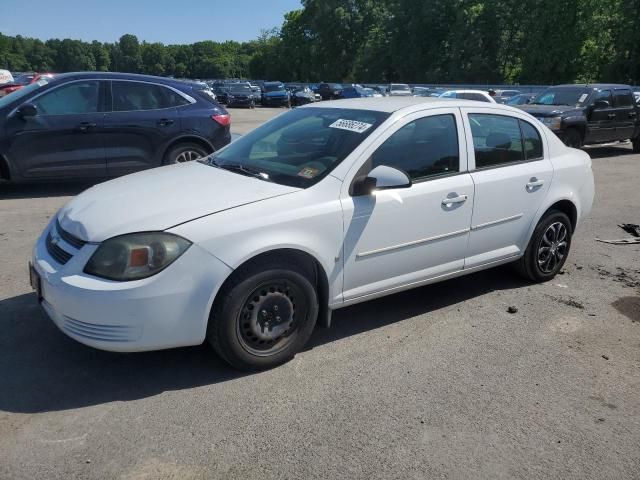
point(534, 183)
point(611, 116)
point(447, 202)
point(84, 126)
point(164, 122)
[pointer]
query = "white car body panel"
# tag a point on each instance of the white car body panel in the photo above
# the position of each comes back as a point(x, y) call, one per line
point(366, 246)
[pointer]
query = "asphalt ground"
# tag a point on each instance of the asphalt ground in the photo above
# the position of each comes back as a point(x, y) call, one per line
point(437, 382)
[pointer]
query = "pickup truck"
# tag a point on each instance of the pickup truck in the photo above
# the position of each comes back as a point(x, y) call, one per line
point(587, 114)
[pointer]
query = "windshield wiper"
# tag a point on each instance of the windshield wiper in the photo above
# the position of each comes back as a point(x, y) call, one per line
point(243, 170)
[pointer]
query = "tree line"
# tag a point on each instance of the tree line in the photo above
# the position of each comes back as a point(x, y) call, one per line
point(415, 41)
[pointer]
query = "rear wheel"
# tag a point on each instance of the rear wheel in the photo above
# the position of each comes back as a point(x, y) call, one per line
point(184, 152)
point(572, 138)
point(548, 247)
point(263, 315)
point(636, 144)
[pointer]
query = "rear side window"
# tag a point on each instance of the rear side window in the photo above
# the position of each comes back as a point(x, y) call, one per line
point(603, 95)
point(424, 148)
point(622, 98)
point(475, 96)
point(532, 141)
point(135, 96)
point(497, 140)
point(73, 98)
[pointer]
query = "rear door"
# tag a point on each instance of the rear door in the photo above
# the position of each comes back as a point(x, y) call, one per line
point(602, 121)
point(65, 138)
point(511, 172)
point(626, 114)
point(142, 122)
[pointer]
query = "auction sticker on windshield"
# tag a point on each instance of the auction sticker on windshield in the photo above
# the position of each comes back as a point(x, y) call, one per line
point(308, 172)
point(351, 125)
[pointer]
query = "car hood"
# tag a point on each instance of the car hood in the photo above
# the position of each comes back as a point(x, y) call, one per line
point(548, 110)
point(160, 198)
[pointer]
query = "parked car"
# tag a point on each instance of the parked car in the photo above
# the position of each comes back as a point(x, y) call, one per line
point(5, 77)
point(477, 95)
point(257, 93)
point(96, 124)
point(399, 90)
point(426, 92)
point(355, 91)
point(275, 95)
point(503, 96)
point(302, 96)
point(373, 93)
point(240, 94)
point(322, 207)
point(588, 114)
point(21, 81)
point(330, 91)
point(204, 88)
point(522, 99)
point(221, 92)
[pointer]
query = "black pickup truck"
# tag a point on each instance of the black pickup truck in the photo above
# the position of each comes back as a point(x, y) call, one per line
point(588, 114)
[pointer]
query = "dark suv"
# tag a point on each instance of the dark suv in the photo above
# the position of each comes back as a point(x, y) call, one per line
point(96, 124)
point(588, 114)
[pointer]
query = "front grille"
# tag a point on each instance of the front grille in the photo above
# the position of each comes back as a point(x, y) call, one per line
point(69, 238)
point(61, 256)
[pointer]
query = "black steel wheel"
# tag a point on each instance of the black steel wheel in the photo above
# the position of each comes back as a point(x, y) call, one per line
point(548, 247)
point(263, 315)
point(572, 138)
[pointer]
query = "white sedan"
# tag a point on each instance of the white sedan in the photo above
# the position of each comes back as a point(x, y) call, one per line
point(478, 95)
point(322, 207)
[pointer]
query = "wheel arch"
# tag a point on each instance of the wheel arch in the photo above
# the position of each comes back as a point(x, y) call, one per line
point(188, 138)
point(5, 168)
point(568, 208)
point(313, 267)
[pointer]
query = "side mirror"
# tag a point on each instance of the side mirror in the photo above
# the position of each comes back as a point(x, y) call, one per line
point(600, 104)
point(27, 110)
point(381, 178)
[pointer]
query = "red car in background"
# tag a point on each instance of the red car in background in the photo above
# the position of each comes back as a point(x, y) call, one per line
point(22, 80)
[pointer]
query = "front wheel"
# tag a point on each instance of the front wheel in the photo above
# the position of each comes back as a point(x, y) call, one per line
point(263, 315)
point(572, 138)
point(548, 247)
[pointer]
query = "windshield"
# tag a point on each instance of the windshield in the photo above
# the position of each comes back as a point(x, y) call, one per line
point(274, 88)
point(23, 92)
point(562, 96)
point(24, 79)
point(399, 87)
point(240, 89)
point(300, 147)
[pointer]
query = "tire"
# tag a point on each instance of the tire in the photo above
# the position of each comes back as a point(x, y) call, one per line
point(288, 104)
point(184, 152)
point(636, 144)
point(548, 248)
point(252, 105)
point(572, 138)
point(249, 301)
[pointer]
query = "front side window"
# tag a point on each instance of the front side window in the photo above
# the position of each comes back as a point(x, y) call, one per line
point(72, 98)
point(300, 147)
point(424, 148)
point(134, 96)
point(497, 140)
point(603, 95)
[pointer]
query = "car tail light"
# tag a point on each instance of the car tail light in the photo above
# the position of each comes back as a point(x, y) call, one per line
point(223, 120)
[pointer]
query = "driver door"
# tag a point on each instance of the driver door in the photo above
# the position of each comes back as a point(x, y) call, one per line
point(602, 121)
point(65, 138)
point(395, 238)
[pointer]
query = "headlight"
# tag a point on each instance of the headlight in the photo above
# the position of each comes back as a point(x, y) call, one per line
point(552, 122)
point(135, 256)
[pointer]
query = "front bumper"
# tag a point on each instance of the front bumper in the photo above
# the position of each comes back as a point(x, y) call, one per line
point(275, 101)
point(170, 309)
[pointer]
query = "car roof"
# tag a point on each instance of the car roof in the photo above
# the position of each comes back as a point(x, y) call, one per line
point(393, 104)
point(592, 85)
point(123, 76)
point(468, 91)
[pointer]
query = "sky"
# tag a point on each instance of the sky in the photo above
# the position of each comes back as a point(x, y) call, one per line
point(166, 21)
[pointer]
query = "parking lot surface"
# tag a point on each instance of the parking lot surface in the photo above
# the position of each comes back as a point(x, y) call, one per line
point(437, 382)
